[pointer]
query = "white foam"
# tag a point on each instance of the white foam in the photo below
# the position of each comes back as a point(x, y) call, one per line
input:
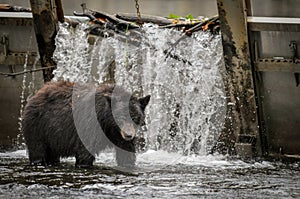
point(14, 154)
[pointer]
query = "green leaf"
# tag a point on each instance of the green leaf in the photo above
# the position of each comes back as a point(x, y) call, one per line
point(189, 16)
point(173, 16)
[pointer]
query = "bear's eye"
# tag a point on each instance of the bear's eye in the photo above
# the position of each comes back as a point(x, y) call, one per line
point(135, 119)
point(137, 115)
point(138, 120)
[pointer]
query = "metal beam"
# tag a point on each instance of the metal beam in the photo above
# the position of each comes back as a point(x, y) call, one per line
point(241, 111)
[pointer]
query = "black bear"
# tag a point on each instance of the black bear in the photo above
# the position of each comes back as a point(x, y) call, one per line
point(65, 119)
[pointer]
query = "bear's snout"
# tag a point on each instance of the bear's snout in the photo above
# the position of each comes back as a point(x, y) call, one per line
point(127, 131)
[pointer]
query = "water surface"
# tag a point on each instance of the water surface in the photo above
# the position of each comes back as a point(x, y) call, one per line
point(159, 174)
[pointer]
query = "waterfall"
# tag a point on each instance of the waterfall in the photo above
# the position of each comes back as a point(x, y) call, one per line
point(187, 109)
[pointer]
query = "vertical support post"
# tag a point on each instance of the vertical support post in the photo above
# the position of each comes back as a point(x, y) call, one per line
point(248, 7)
point(45, 27)
point(59, 11)
point(241, 120)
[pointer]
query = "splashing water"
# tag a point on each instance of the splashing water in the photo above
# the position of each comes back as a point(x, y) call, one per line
point(187, 108)
point(71, 54)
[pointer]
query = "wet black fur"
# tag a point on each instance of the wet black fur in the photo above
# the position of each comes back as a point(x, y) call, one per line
point(50, 133)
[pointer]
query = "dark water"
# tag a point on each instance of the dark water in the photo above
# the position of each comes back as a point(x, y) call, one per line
point(187, 177)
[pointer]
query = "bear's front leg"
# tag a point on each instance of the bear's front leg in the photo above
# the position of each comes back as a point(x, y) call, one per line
point(126, 154)
point(84, 159)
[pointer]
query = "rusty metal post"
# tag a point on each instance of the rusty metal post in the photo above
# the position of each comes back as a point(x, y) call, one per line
point(45, 27)
point(241, 120)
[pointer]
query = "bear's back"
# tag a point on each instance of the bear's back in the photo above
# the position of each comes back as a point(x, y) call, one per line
point(63, 90)
point(52, 91)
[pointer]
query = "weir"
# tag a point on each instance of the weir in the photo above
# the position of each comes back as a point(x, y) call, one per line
point(187, 109)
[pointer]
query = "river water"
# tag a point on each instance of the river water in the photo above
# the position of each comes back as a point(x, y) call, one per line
point(189, 177)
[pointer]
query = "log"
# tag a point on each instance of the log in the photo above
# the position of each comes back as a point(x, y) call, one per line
point(105, 18)
point(144, 18)
point(118, 22)
point(121, 36)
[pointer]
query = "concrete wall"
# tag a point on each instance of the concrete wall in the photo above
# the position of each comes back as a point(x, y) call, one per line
point(21, 41)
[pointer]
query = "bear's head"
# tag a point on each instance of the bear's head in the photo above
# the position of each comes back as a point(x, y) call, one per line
point(129, 115)
point(123, 114)
point(137, 108)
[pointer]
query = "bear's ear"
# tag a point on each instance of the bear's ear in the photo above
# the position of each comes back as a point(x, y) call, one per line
point(144, 101)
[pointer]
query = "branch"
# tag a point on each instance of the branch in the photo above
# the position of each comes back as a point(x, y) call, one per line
point(189, 32)
point(103, 18)
point(120, 23)
point(90, 16)
point(121, 27)
point(179, 25)
point(26, 71)
point(199, 26)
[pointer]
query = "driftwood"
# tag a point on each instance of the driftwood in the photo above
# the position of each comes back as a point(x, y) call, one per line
point(144, 18)
point(124, 21)
point(200, 26)
point(121, 27)
point(118, 22)
point(203, 25)
point(121, 36)
point(105, 22)
point(195, 28)
point(106, 19)
point(106, 25)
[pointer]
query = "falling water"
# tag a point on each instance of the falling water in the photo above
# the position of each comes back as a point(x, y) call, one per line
point(72, 52)
point(187, 108)
point(28, 89)
point(22, 98)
